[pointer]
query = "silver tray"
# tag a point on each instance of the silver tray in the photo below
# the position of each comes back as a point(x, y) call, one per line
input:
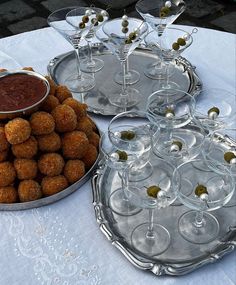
point(97, 100)
point(181, 257)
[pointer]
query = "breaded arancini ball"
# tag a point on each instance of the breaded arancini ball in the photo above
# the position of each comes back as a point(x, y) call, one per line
point(3, 69)
point(79, 108)
point(3, 155)
point(29, 190)
point(17, 130)
point(51, 164)
point(25, 168)
point(8, 194)
point(62, 93)
point(94, 139)
point(53, 185)
point(29, 68)
point(27, 149)
point(74, 145)
point(42, 123)
point(7, 173)
point(93, 124)
point(49, 143)
point(90, 156)
point(50, 103)
point(65, 118)
point(74, 170)
point(84, 125)
point(4, 144)
point(52, 84)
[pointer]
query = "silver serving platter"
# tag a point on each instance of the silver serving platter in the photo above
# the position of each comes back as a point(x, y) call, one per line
point(97, 99)
point(182, 256)
point(54, 198)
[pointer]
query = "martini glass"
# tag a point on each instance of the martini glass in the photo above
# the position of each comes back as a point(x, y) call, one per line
point(216, 108)
point(118, 156)
point(78, 82)
point(159, 14)
point(90, 64)
point(220, 148)
point(210, 191)
point(132, 76)
point(131, 128)
point(155, 192)
point(171, 44)
point(121, 43)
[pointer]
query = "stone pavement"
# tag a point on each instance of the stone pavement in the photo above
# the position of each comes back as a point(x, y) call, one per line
point(17, 16)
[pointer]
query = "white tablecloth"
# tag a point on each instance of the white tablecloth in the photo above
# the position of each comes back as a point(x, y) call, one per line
point(61, 243)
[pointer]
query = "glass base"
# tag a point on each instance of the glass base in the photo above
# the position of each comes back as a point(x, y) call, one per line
point(133, 98)
point(95, 66)
point(131, 77)
point(85, 83)
point(120, 205)
point(139, 174)
point(155, 70)
point(150, 246)
point(196, 234)
point(162, 85)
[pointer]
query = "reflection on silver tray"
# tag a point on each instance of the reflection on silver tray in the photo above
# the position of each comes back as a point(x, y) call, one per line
point(182, 256)
point(98, 98)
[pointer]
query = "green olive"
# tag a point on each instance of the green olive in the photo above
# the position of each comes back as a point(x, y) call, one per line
point(228, 156)
point(153, 190)
point(213, 109)
point(200, 189)
point(169, 111)
point(100, 18)
point(165, 10)
point(81, 25)
point(122, 155)
point(178, 144)
point(175, 46)
point(125, 23)
point(94, 21)
point(128, 41)
point(125, 30)
point(181, 42)
point(85, 19)
point(132, 36)
point(127, 135)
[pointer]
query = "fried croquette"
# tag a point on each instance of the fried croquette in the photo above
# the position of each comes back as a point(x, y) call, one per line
point(52, 84)
point(29, 68)
point(74, 170)
point(17, 130)
point(93, 124)
point(50, 103)
point(49, 143)
point(65, 118)
point(4, 144)
point(8, 194)
point(25, 168)
point(3, 155)
point(3, 69)
point(53, 185)
point(74, 144)
point(84, 125)
point(94, 139)
point(27, 149)
point(42, 123)
point(29, 190)
point(79, 108)
point(90, 156)
point(7, 173)
point(51, 164)
point(62, 93)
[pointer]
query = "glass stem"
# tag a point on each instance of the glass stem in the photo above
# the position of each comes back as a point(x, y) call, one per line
point(122, 175)
point(127, 68)
point(199, 219)
point(150, 232)
point(78, 61)
point(167, 75)
point(91, 63)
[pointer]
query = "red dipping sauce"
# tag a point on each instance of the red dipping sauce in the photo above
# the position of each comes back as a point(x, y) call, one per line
point(20, 91)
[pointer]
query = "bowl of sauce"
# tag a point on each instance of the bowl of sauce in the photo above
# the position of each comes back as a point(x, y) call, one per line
point(21, 92)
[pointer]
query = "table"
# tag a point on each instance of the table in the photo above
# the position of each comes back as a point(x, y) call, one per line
point(61, 243)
